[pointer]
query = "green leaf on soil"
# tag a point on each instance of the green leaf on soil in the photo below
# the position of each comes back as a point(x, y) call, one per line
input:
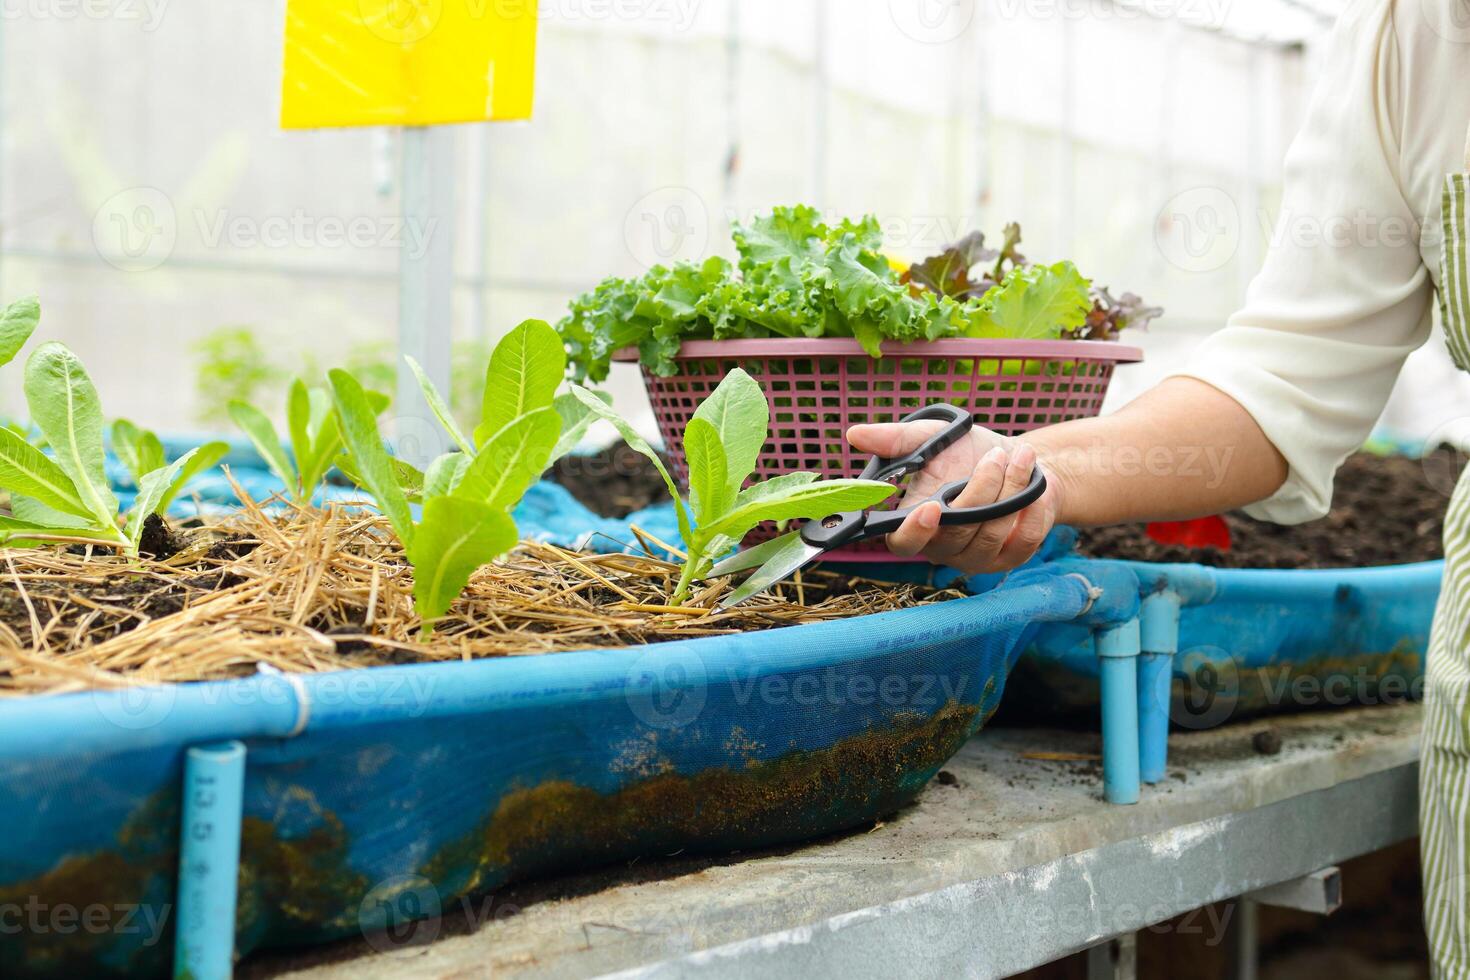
point(576, 419)
point(200, 460)
point(640, 445)
point(710, 492)
point(262, 435)
point(438, 406)
point(444, 473)
point(806, 501)
point(374, 468)
point(455, 537)
point(738, 412)
point(151, 491)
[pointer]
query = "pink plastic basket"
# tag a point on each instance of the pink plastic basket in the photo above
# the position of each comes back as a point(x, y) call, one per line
point(817, 388)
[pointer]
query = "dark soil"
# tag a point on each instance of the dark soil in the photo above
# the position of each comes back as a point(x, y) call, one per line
point(158, 540)
point(614, 482)
point(233, 546)
point(1386, 510)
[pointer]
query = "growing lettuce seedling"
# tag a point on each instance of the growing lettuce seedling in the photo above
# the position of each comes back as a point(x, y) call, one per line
point(468, 495)
point(66, 494)
point(316, 437)
point(141, 452)
point(721, 444)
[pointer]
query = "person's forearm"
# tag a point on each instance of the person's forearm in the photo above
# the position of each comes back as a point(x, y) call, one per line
point(1183, 449)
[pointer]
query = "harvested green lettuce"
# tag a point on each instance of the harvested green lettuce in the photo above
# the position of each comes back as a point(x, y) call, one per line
point(800, 277)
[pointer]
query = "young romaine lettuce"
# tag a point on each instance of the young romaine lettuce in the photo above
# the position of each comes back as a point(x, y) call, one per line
point(316, 438)
point(467, 495)
point(524, 371)
point(721, 445)
point(142, 455)
point(17, 322)
point(66, 493)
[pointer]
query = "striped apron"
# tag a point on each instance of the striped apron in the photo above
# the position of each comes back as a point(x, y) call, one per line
point(1444, 771)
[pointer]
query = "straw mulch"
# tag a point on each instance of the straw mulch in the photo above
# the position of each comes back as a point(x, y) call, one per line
point(304, 590)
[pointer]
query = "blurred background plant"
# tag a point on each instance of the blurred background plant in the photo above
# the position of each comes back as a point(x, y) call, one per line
point(232, 364)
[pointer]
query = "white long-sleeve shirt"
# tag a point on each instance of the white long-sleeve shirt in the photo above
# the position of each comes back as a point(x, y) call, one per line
point(1347, 289)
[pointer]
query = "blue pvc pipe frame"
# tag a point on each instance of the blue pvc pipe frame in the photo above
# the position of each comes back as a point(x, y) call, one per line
point(1136, 647)
point(1117, 651)
point(209, 861)
point(1163, 590)
point(1159, 642)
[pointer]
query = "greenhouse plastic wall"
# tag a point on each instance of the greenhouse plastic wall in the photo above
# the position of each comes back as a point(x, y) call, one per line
point(443, 779)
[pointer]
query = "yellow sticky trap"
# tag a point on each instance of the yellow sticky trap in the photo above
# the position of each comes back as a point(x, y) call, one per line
point(407, 62)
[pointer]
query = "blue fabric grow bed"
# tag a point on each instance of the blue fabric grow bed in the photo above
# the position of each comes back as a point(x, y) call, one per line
point(1254, 641)
point(461, 777)
point(378, 794)
point(365, 789)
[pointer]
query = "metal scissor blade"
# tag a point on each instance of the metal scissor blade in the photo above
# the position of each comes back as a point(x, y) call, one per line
point(750, 557)
point(793, 554)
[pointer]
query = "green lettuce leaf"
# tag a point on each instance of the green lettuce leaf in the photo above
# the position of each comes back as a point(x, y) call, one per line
point(640, 445)
point(512, 460)
point(739, 415)
point(374, 468)
point(65, 407)
point(443, 474)
point(205, 457)
point(811, 500)
point(455, 537)
point(262, 435)
point(1035, 302)
point(710, 492)
point(26, 470)
point(525, 369)
point(152, 488)
point(17, 322)
point(439, 407)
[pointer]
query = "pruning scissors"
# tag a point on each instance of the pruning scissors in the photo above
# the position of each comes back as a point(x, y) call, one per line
point(783, 556)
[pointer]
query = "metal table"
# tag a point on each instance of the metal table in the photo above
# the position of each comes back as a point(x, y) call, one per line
point(1015, 862)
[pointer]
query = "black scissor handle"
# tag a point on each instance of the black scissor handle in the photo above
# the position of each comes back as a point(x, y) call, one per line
point(957, 423)
point(858, 525)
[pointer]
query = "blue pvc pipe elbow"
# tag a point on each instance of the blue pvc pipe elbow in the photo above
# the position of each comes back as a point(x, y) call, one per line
point(1117, 651)
point(209, 861)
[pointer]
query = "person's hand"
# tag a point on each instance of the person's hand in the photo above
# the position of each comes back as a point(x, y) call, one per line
point(996, 467)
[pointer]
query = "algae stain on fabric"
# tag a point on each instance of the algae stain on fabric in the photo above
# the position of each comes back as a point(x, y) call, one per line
point(558, 825)
point(129, 888)
point(297, 888)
